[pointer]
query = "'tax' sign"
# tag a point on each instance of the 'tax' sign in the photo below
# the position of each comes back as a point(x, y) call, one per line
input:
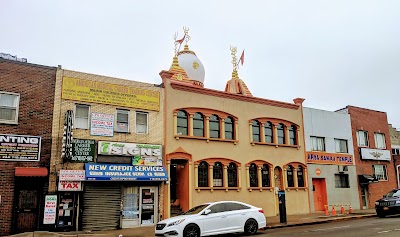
point(69, 186)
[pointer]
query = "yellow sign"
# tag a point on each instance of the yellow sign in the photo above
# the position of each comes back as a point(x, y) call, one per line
point(110, 94)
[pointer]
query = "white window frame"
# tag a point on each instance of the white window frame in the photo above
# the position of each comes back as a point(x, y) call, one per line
point(314, 140)
point(380, 172)
point(376, 137)
point(364, 134)
point(122, 111)
point(147, 122)
point(15, 121)
point(88, 118)
point(337, 140)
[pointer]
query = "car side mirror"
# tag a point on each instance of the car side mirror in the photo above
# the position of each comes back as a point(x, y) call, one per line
point(206, 212)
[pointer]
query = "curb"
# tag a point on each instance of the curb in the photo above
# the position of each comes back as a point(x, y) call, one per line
point(320, 221)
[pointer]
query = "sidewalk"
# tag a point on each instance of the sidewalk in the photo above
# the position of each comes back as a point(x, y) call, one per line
point(272, 223)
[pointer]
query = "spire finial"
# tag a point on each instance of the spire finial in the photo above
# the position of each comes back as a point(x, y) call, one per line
point(234, 59)
point(186, 32)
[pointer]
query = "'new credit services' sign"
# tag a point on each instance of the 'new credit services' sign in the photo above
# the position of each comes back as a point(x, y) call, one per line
point(123, 172)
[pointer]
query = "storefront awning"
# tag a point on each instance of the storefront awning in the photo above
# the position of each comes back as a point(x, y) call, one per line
point(31, 171)
point(123, 172)
point(367, 179)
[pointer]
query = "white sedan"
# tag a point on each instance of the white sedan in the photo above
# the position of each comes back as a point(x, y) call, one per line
point(214, 218)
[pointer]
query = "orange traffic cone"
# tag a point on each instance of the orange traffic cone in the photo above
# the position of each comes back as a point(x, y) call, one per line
point(333, 210)
point(326, 210)
point(350, 210)
point(342, 209)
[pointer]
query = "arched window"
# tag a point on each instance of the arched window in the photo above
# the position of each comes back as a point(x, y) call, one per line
point(300, 176)
point(253, 173)
point(232, 175)
point(266, 182)
point(182, 128)
point(289, 174)
point(256, 131)
point(203, 174)
point(229, 131)
point(214, 126)
point(292, 135)
point(217, 175)
point(268, 132)
point(198, 125)
point(281, 133)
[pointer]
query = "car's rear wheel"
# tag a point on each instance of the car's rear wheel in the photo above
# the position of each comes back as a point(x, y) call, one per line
point(380, 214)
point(191, 230)
point(251, 227)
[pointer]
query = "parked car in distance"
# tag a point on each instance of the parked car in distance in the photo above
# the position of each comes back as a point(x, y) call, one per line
point(214, 218)
point(389, 204)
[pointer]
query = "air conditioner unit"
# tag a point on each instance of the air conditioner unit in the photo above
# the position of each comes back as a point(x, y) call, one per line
point(342, 168)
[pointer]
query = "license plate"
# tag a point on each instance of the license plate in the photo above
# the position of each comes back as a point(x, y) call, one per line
point(386, 208)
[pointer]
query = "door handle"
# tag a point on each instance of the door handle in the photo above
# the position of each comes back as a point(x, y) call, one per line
point(243, 214)
point(223, 216)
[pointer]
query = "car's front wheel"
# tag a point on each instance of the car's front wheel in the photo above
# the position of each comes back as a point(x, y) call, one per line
point(380, 214)
point(191, 230)
point(251, 227)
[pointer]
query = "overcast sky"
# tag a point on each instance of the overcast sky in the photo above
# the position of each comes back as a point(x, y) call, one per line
point(332, 53)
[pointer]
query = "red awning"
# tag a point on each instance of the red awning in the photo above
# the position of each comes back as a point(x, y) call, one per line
point(31, 171)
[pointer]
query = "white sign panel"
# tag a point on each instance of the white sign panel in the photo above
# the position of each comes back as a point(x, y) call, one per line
point(375, 154)
point(102, 125)
point(72, 175)
point(69, 185)
point(50, 208)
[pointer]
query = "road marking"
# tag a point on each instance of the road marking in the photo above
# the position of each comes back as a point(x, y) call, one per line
point(387, 231)
point(332, 228)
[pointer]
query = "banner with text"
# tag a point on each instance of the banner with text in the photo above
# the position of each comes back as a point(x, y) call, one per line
point(102, 125)
point(19, 147)
point(83, 150)
point(330, 158)
point(375, 154)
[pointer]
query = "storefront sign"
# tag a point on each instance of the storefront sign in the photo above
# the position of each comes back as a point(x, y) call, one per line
point(329, 158)
point(122, 172)
point(102, 125)
point(72, 175)
point(83, 150)
point(110, 94)
point(67, 136)
point(69, 185)
point(19, 147)
point(375, 154)
point(50, 207)
point(142, 154)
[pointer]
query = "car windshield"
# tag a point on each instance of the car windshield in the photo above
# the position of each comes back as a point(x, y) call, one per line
point(196, 209)
point(394, 193)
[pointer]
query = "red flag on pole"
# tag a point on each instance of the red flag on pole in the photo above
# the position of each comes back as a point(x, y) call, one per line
point(181, 40)
point(242, 58)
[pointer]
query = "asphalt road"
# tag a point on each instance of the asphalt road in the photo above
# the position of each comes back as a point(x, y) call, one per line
point(377, 227)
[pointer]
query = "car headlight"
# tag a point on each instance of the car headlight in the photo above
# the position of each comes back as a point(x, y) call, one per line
point(398, 202)
point(176, 222)
point(377, 203)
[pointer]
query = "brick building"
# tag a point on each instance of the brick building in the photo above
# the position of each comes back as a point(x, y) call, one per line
point(26, 112)
point(372, 146)
point(395, 142)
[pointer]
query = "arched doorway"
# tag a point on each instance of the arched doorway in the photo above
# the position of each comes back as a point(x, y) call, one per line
point(278, 178)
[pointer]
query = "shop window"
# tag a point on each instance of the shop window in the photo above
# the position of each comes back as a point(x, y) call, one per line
point(122, 121)
point(198, 125)
point(266, 182)
point(290, 177)
point(214, 126)
point(203, 174)
point(362, 138)
point(253, 174)
point(317, 143)
point(380, 172)
point(9, 103)
point(82, 116)
point(182, 128)
point(229, 128)
point(268, 130)
point(380, 141)
point(342, 181)
point(292, 135)
point(281, 133)
point(232, 175)
point(217, 175)
point(341, 146)
point(256, 131)
point(141, 122)
point(300, 177)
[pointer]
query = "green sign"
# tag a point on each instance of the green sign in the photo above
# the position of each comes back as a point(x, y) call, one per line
point(83, 150)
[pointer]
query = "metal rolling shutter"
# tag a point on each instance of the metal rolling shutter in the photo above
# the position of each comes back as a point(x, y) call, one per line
point(101, 206)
